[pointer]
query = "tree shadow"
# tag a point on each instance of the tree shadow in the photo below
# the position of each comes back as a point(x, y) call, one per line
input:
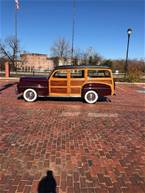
point(47, 184)
point(7, 86)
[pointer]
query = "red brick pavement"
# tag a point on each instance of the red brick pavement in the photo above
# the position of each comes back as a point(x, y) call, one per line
point(96, 148)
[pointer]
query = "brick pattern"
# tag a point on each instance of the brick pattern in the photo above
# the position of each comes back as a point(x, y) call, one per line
point(88, 154)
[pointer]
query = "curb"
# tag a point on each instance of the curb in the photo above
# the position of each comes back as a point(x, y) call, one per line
point(143, 83)
point(10, 78)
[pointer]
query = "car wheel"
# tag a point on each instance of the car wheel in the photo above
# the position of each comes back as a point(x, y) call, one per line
point(91, 96)
point(30, 95)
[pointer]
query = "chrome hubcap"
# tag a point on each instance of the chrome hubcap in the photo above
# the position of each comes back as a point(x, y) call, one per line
point(30, 95)
point(91, 96)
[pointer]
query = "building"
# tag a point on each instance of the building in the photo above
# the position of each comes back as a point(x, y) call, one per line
point(69, 61)
point(36, 62)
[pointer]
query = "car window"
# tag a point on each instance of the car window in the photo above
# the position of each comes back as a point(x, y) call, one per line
point(77, 73)
point(60, 74)
point(98, 73)
point(107, 73)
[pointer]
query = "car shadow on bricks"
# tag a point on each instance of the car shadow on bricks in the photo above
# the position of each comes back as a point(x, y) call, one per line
point(72, 99)
point(104, 99)
point(59, 99)
point(67, 99)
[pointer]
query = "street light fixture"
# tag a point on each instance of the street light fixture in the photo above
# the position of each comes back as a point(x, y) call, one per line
point(129, 32)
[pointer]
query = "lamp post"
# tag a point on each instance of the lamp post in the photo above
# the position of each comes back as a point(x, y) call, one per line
point(129, 31)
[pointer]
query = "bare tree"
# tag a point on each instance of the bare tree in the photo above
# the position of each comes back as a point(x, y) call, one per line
point(9, 49)
point(91, 57)
point(77, 57)
point(87, 57)
point(61, 48)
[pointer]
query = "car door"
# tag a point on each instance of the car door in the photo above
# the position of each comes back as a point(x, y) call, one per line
point(77, 80)
point(58, 83)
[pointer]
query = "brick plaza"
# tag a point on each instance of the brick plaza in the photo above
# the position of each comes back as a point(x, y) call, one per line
point(97, 148)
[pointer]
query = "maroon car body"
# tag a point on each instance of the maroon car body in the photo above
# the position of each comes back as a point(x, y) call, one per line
point(40, 84)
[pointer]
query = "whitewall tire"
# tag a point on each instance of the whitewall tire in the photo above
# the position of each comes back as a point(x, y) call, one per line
point(91, 97)
point(30, 95)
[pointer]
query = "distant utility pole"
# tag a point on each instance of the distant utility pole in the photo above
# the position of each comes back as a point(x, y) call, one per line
point(16, 27)
point(73, 29)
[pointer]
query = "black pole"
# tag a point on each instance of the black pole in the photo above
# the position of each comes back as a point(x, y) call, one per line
point(126, 61)
point(16, 34)
point(73, 30)
point(129, 31)
point(15, 22)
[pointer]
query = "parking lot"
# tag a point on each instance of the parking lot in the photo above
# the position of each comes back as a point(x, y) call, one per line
point(97, 148)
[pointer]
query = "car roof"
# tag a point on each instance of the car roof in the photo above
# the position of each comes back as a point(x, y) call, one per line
point(80, 66)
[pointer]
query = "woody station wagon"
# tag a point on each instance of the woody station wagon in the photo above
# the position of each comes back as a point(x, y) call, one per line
point(87, 82)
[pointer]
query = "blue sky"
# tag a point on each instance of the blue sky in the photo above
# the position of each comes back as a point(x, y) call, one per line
point(101, 24)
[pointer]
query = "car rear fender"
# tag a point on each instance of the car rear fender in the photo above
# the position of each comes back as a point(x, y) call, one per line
point(103, 89)
point(39, 85)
